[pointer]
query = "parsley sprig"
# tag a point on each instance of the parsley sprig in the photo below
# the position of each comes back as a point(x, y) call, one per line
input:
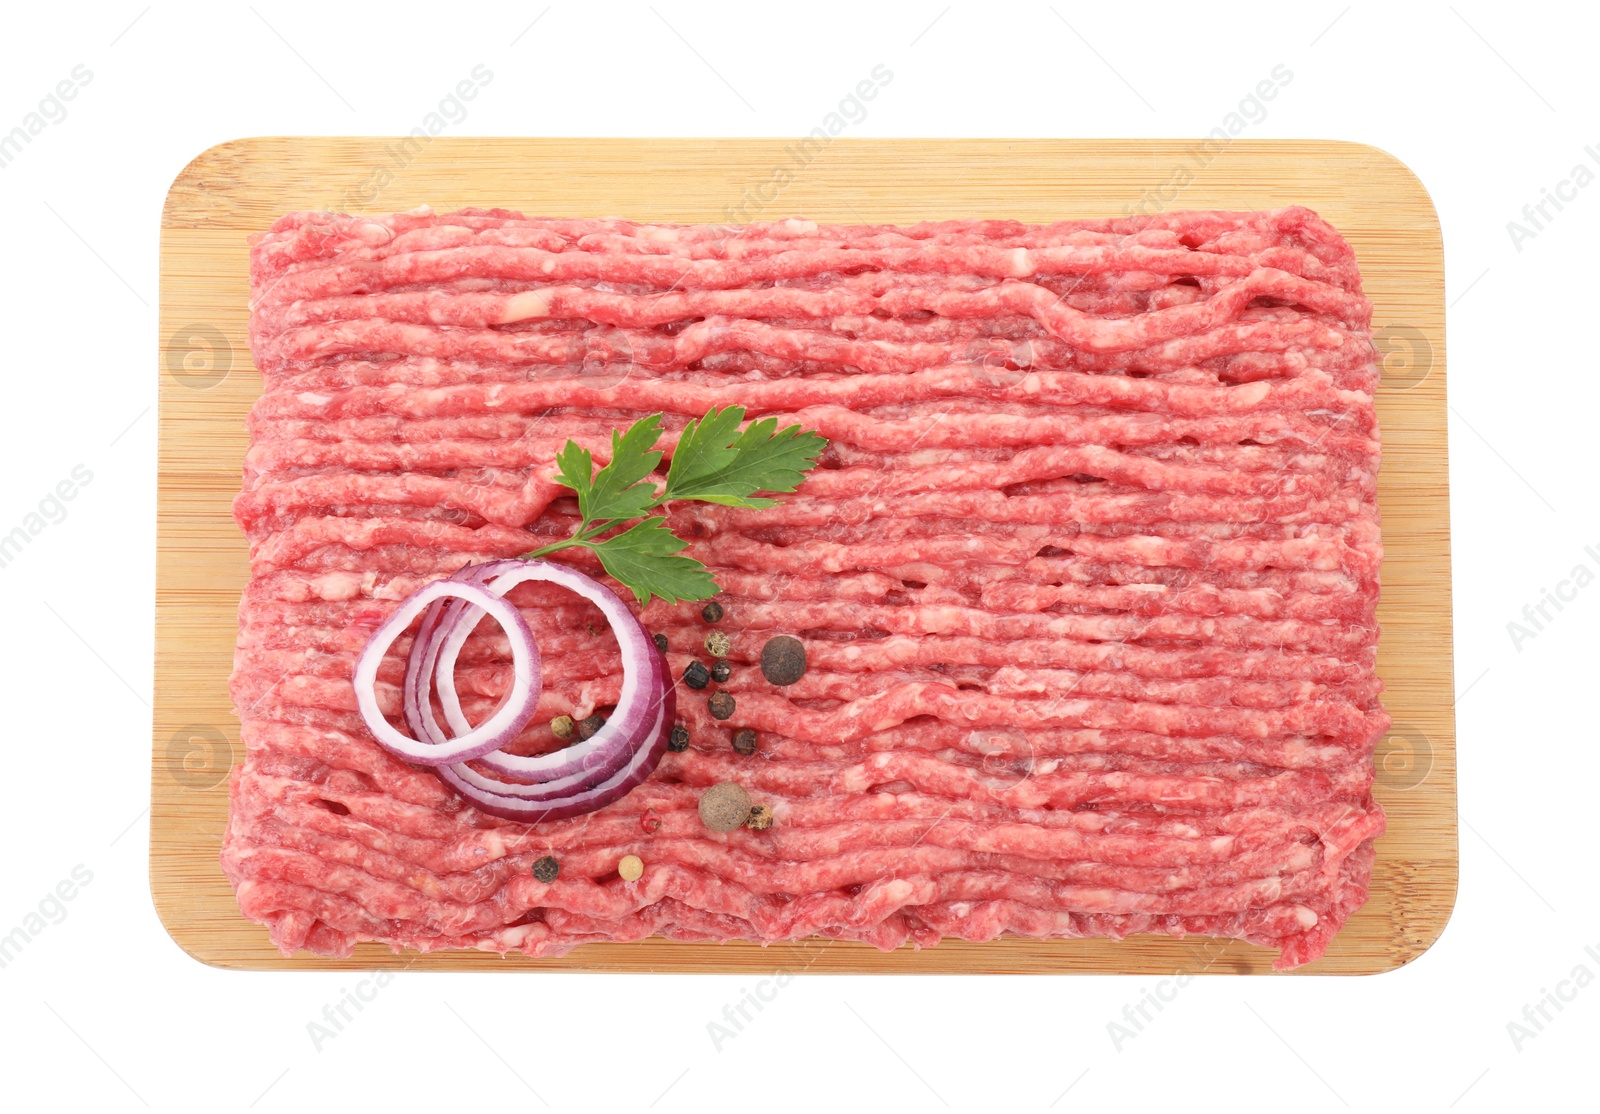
point(715, 462)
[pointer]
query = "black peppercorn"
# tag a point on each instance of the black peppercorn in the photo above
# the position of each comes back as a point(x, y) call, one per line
point(546, 869)
point(783, 660)
point(588, 726)
point(711, 612)
point(661, 642)
point(721, 670)
point(697, 676)
point(744, 741)
point(678, 741)
point(721, 704)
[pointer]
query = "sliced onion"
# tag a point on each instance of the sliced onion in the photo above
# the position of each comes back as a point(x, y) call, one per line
point(642, 668)
point(416, 697)
point(562, 783)
point(496, 731)
point(640, 766)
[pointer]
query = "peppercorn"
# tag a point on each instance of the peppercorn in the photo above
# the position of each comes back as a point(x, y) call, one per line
point(630, 868)
point(783, 660)
point(718, 644)
point(721, 704)
point(744, 741)
point(661, 642)
point(724, 807)
point(589, 725)
point(678, 741)
point(721, 670)
point(546, 869)
point(696, 676)
point(711, 612)
point(561, 727)
point(760, 818)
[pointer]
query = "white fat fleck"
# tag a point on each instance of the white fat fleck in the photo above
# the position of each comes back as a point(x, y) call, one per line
point(337, 586)
point(373, 233)
point(494, 395)
point(1252, 393)
point(528, 304)
point(548, 266)
point(656, 232)
point(397, 589)
point(799, 226)
point(513, 936)
point(311, 398)
point(898, 890)
point(1304, 917)
point(1021, 263)
point(854, 781)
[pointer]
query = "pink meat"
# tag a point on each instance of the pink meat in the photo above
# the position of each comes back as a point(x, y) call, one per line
point(1086, 577)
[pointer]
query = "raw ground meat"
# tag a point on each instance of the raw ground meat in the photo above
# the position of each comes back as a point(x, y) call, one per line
point(1086, 577)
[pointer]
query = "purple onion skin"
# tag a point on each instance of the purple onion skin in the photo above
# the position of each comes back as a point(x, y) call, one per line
point(588, 800)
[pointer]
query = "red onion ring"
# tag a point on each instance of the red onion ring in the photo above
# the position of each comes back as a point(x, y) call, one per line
point(496, 731)
point(416, 696)
point(640, 766)
point(642, 668)
point(567, 782)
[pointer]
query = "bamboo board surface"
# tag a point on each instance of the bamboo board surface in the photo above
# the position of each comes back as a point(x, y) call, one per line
point(208, 384)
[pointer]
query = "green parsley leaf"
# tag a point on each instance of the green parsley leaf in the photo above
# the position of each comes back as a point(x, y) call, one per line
point(620, 490)
point(575, 469)
point(714, 463)
point(644, 558)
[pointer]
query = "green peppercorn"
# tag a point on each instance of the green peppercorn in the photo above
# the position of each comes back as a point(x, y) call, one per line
point(561, 727)
point(721, 704)
point(718, 644)
point(711, 612)
point(546, 869)
point(721, 670)
point(678, 741)
point(696, 676)
point(744, 741)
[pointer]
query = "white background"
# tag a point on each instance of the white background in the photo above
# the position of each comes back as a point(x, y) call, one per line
point(1488, 106)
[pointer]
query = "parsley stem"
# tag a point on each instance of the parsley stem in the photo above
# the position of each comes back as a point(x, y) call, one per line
point(582, 537)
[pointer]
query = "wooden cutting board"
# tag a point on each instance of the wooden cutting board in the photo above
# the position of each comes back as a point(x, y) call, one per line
point(208, 384)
